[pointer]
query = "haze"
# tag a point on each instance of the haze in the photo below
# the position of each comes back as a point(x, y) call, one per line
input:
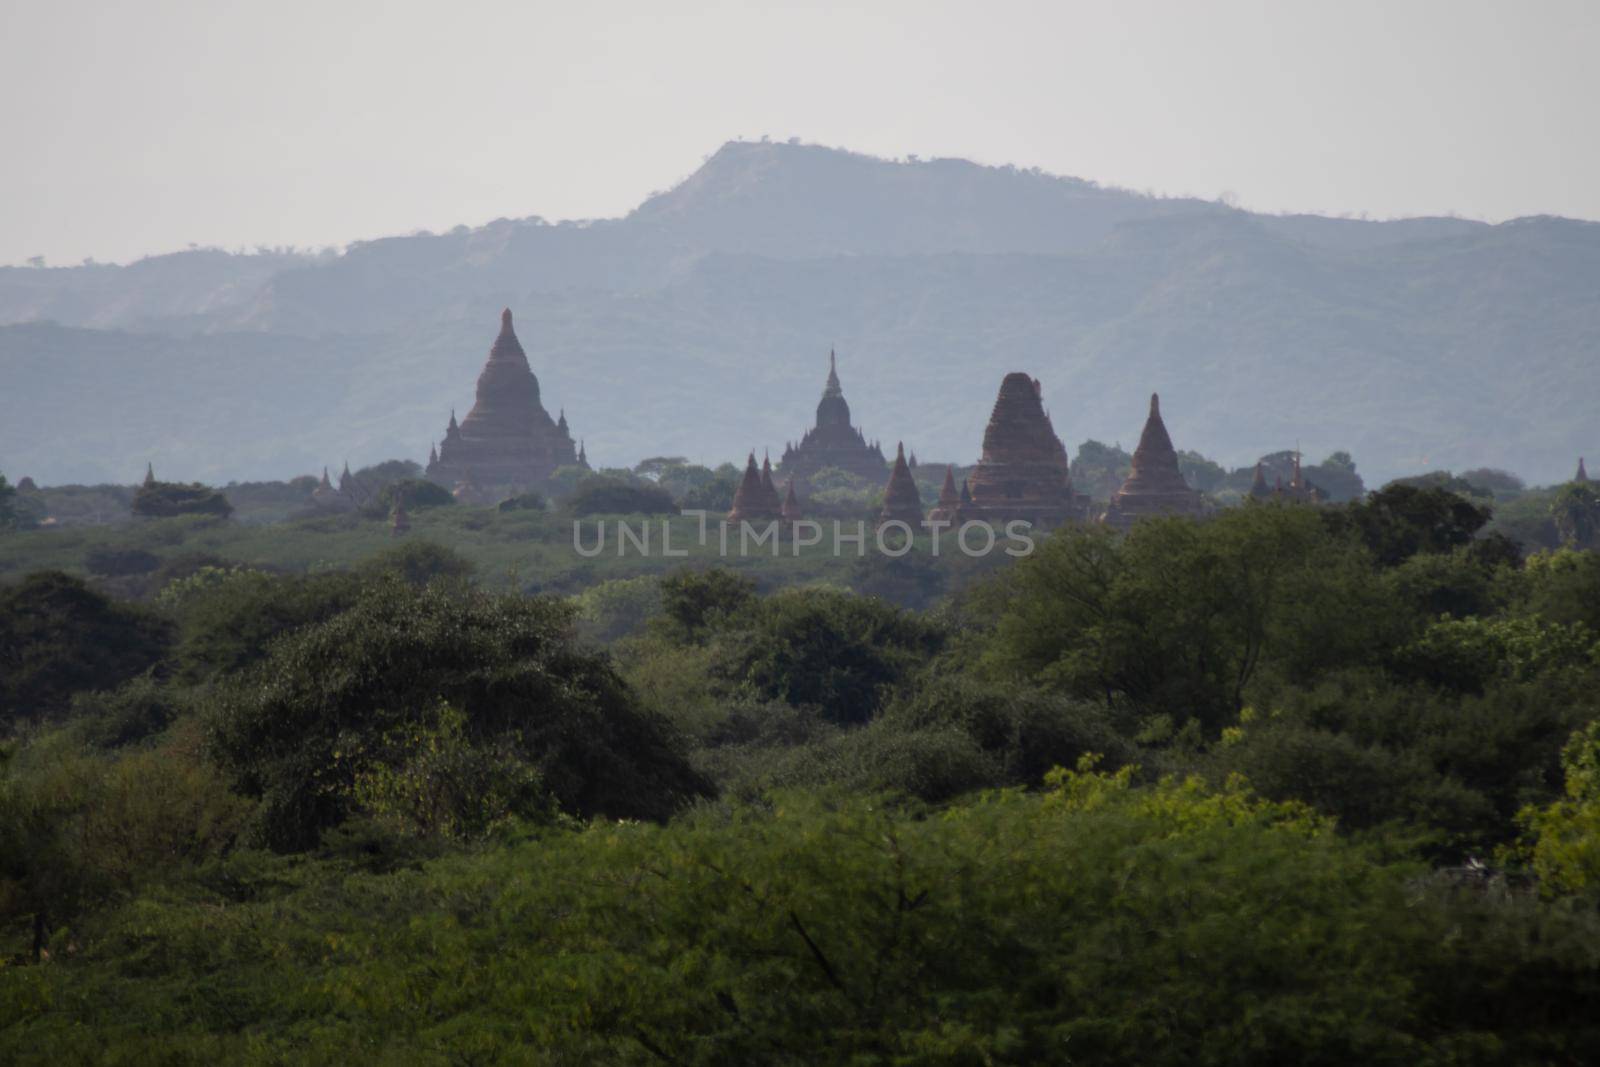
point(138, 129)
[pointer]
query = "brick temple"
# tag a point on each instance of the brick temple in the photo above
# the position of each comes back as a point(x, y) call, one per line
point(1024, 473)
point(1155, 485)
point(833, 442)
point(508, 442)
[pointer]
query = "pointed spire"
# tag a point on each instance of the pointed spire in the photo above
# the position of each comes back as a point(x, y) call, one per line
point(912, 462)
point(832, 388)
point(900, 497)
point(561, 423)
point(1582, 475)
point(791, 505)
point(453, 428)
point(325, 483)
point(949, 499)
point(966, 494)
point(150, 472)
point(749, 500)
point(583, 457)
point(433, 454)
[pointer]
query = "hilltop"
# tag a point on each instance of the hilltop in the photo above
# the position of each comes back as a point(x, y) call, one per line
point(699, 324)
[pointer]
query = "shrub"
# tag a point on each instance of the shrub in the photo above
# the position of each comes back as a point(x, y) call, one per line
point(605, 496)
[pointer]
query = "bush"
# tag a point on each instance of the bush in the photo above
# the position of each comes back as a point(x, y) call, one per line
point(419, 495)
point(523, 502)
point(605, 496)
point(120, 562)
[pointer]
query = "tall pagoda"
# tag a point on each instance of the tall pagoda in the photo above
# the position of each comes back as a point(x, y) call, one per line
point(1023, 473)
point(1155, 485)
point(507, 442)
point(833, 442)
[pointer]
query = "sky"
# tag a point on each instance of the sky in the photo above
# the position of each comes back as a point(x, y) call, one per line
point(134, 128)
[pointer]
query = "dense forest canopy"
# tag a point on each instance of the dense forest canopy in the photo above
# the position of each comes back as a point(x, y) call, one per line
point(1292, 783)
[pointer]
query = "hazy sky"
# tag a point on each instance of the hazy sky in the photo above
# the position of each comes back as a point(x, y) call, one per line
point(137, 127)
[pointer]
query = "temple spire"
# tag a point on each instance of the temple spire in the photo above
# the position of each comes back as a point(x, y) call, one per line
point(1582, 475)
point(1258, 484)
point(150, 472)
point(901, 501)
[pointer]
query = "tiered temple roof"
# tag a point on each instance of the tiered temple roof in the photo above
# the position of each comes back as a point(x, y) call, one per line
point(1023, 473)
point(900, 498)
point(1155, 486)
point(833, 442)
point(507, 441)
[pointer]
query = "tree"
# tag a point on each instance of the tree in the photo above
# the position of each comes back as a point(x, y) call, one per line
point(169, 499)
point(606, 496)
point(696, 602)
point(1566, 846)
point(1401, 520)
point(8, 504)
point(1178, 618)
point(1576, 513)
point(337, 701)
point(419, 495)
point(839, 653)
point(59, 637)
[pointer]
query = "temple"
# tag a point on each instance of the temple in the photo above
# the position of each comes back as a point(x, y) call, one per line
point(1582, 475)
point(901, 502)
point(1023, 473)
point(507, 443)
point(1155, 486)
point(949, 499)
point(833, 442)
point(756, 499)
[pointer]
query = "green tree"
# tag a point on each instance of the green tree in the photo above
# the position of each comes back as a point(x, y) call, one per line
point(167, 499)
point(1401, 520)
point(1576, 513)
point(839, 653)
point(1566, 835)
point(59, 637)
point(696, 602)
point(325, 704)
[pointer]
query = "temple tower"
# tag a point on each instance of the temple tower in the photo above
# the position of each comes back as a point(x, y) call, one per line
point(1023, 473)
point(833, 442)
point(507, 440)
point(900, 498)
point(1155, 486)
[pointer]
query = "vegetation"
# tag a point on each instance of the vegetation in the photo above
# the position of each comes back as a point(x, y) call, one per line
point(1290, 785)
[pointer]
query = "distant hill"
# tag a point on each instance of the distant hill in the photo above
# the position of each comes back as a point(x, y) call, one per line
point(700, 323)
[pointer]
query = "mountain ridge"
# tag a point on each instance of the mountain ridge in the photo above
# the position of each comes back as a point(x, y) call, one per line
point(696, 322)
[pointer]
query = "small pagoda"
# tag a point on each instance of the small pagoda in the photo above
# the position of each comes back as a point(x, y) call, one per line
point(1023, 473)
point(508, 442)
point(833, 442)
point(901, 502)
point(1155, 485)
point(756, 500)
point(949, 499)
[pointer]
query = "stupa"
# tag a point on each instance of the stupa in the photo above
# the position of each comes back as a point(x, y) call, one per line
point(900, 498)
point(507, 442)
point(1582, 475)
point(1155, 486)
point(756, 499)
point(833, 442)
point(791, 505)
point(949, 499)
point(1023, 473)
